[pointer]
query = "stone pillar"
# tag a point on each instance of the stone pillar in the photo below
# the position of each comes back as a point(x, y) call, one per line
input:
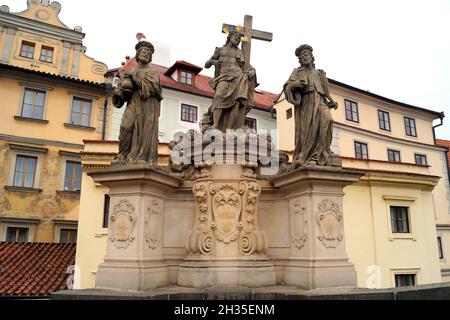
point(7, 47)
point(76, 60)
point(318, 257)
point(226, 246)
point(134, 258)
point(65, 58)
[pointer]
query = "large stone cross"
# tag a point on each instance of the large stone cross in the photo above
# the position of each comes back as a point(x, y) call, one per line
point(249, 34)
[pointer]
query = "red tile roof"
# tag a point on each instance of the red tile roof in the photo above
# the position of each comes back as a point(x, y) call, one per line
point(263, 100)
point(445, 143)
point(34, 269)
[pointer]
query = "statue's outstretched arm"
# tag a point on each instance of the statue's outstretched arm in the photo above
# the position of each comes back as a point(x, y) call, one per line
point(214, 61)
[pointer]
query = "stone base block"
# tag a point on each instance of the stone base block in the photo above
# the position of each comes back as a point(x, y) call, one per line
point(310, 276)
point(249, 274)
point(132, 276)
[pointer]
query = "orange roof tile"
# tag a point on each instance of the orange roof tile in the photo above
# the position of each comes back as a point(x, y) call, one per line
point(34, 269)
point(445, 143)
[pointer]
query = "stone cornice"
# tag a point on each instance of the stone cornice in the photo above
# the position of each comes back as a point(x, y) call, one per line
point(405, 180)
point(42, 142)
point(11, 20)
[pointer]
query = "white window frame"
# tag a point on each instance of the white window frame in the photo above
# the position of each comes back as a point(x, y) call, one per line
point(354, 149)
point(186, 124)
point(34, 86)
point(67, 156)
point(29, 224)
point(19, 150)
point(404, 271)
point(400, 201)
point(63, 225)
point(181, 113)
point(94, 103)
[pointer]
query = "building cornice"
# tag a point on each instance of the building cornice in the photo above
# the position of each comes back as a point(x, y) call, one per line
point(41, 142)
point(403, 179)
point(22, 74)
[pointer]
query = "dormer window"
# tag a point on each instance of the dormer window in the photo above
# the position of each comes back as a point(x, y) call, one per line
point(186, 77)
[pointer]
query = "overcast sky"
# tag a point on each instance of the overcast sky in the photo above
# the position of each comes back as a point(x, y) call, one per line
point(397, 49)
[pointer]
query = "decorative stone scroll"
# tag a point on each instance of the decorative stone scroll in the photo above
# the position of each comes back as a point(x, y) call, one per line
point(227, 213)
point(330, 221)
point(123, 221)
point(152, 228)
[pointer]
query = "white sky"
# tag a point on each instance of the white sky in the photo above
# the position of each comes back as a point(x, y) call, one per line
point(398, 49)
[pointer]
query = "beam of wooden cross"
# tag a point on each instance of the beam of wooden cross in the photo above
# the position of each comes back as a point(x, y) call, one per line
point(249, 34)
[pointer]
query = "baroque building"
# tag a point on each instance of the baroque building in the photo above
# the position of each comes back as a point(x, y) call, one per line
point(391, 214)
point(53, 97)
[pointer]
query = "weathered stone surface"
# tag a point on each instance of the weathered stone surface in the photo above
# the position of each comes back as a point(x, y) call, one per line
point(141, 90)
point(307, 89)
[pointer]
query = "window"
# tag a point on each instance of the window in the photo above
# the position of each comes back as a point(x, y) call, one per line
point(27, 50)
point(188, 113)
point(405, 280)
point(251, 124)
point(46, 54)
point(351, 111)
point(106, 211)
point(394, 156)
point(68, 236)
point(289, 114)
point(81, 112)
point(186, 77)
point(410, 125)
point(33, 104)
point(400, 220)
point(14, 234)
point(72, 180)
point(25, 171)
point(421, 159)
point(361, 151)
point(441, 251)
point(385, 120)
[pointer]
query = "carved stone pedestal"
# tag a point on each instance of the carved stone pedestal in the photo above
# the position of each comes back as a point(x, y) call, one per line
point(226, 246)
point(134, 258)
point(318, 257)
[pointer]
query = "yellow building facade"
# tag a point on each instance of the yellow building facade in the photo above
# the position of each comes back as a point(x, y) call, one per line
point(406, 180)
point(52, 98)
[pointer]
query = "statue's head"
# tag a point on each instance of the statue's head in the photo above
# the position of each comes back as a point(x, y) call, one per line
point(234, 37)
point(144, 52)
point(305, 55)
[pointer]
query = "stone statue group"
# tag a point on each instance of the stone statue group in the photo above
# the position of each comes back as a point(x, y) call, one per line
point(234, 85)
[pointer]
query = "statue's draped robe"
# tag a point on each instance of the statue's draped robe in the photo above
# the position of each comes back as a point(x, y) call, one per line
point(140, 123)
point(231, 86)
point(313, 119)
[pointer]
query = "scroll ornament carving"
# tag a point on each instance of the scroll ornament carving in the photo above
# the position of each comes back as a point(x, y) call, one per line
point(201, 239)
point(300, 225)
point(152, 228)
point(330, 221)
point(252, 240)
point(123, 220)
